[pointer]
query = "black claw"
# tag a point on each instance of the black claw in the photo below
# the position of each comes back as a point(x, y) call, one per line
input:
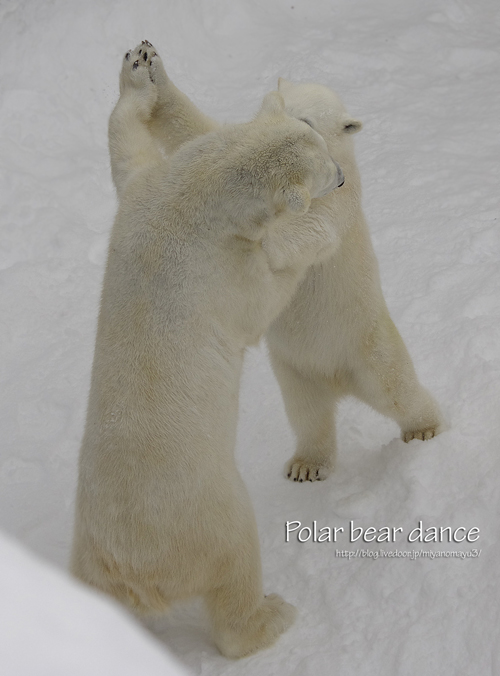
point(143, 42)
point(145, 56)
point(154, 54)
point(136, 65)
point(148, 43)
point(127, 56)
point(140, 51)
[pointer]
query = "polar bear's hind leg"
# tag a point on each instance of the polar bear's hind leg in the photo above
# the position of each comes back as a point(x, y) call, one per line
point(244, 620)
point(384, 377)
point(310, 403)
point(239, 633)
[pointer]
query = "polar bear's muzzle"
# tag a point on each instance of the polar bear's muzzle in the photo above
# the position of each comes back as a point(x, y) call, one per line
point(336, 182)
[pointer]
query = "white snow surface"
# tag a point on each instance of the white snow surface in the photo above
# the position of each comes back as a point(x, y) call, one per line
point(423, 75)
point(52, 626)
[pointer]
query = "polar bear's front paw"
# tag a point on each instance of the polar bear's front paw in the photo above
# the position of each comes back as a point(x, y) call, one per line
point(138, 62)
point(139, 73)
point(303, 469)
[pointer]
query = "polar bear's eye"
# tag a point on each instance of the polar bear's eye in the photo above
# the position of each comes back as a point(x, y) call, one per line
point(307, 121)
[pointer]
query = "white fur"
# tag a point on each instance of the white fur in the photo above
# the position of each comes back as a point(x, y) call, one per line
point(207, 248)
point(336, 337)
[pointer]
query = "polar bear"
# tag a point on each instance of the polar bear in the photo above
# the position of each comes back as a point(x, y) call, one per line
point(335, 337)
point(162, 512)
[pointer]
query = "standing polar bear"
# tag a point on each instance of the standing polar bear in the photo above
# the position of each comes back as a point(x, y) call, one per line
point(336, 337)
point(204, 253)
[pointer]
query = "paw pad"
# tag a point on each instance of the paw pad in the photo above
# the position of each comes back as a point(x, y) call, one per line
point(141, 62)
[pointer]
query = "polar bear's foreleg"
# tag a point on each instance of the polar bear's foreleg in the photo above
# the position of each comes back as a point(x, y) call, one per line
point(175, 119)
point(131, 145)
point(310, 403)
point(384, 377)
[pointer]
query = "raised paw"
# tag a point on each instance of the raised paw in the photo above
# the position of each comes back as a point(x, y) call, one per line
point(298, 469)
point(423, 435)
point(139, 67)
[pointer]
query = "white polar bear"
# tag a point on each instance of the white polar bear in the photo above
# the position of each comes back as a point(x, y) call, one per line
point(162, 512)
point(336, 337)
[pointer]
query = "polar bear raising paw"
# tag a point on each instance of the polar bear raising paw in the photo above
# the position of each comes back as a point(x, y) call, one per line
point(162, 512)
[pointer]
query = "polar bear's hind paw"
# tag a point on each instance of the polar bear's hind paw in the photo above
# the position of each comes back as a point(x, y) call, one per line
point(306, 470)
point(423, 435)
point(261, 630)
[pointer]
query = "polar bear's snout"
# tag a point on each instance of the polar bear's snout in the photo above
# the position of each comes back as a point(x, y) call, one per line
point(337, 180)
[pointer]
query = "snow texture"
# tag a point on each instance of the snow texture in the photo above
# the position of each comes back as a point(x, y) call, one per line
point(423, 77)
point(52, 626)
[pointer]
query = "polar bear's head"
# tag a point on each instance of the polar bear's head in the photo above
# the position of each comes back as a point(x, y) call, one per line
point(319, 107)
point(301, 159)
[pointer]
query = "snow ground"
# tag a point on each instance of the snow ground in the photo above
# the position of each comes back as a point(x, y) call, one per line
point(50, 626)
point(423, 77)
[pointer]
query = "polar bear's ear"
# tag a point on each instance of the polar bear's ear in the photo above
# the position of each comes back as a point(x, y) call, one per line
point(294, 198)
point(273, 104)
point(352, 126)
point(283, 84)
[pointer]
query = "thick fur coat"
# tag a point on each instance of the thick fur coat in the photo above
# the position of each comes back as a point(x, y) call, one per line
point(206, 250)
